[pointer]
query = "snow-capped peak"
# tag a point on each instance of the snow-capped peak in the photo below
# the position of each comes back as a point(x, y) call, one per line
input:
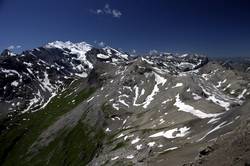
point(7, 52)
point(120, 54)
point(69, 45)
point(80, 49)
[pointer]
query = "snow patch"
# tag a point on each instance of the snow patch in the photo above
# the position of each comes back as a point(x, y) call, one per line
point(179, 132)
point(223, 124)
point(123, 102)
point(138, 147)
point(242, 94)
point(137, 139)
point(102, 56)
point(151, 144)
point(196, 97)
point(169, 149)
point(159, 81)
point(114, 158)
point(220, 83)
point(115, 106)
point(178, 85)
point(187, 108)
point(83, 74)
point(90, 99)
point(107, 130)
point(130, 156)
point(149, 62)
point(14, 83)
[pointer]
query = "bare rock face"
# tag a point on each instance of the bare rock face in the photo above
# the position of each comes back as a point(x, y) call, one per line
point(72, 104)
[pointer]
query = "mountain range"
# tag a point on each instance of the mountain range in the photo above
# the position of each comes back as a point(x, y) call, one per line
point(70, 103)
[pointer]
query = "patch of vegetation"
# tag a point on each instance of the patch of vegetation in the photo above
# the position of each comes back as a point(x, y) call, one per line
point(76, 147)
point(25, 129)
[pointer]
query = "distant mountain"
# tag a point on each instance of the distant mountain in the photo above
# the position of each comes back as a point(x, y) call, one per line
point(73, 104)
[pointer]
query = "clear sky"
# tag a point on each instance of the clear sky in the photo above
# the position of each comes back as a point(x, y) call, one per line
point(210, 27)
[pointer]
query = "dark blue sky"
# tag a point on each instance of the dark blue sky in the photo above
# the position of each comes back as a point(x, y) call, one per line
point(212, 27)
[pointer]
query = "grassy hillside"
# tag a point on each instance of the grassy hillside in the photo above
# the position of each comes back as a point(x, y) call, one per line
point(69, 148)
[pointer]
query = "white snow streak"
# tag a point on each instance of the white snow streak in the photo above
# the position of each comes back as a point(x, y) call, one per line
point(187, 108)
point(159, 81)
point(180, 132)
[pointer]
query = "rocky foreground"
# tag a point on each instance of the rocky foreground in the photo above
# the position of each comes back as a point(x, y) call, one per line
point(73, 104)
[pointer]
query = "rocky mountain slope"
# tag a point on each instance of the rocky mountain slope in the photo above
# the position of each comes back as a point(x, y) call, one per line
point(73, 104)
